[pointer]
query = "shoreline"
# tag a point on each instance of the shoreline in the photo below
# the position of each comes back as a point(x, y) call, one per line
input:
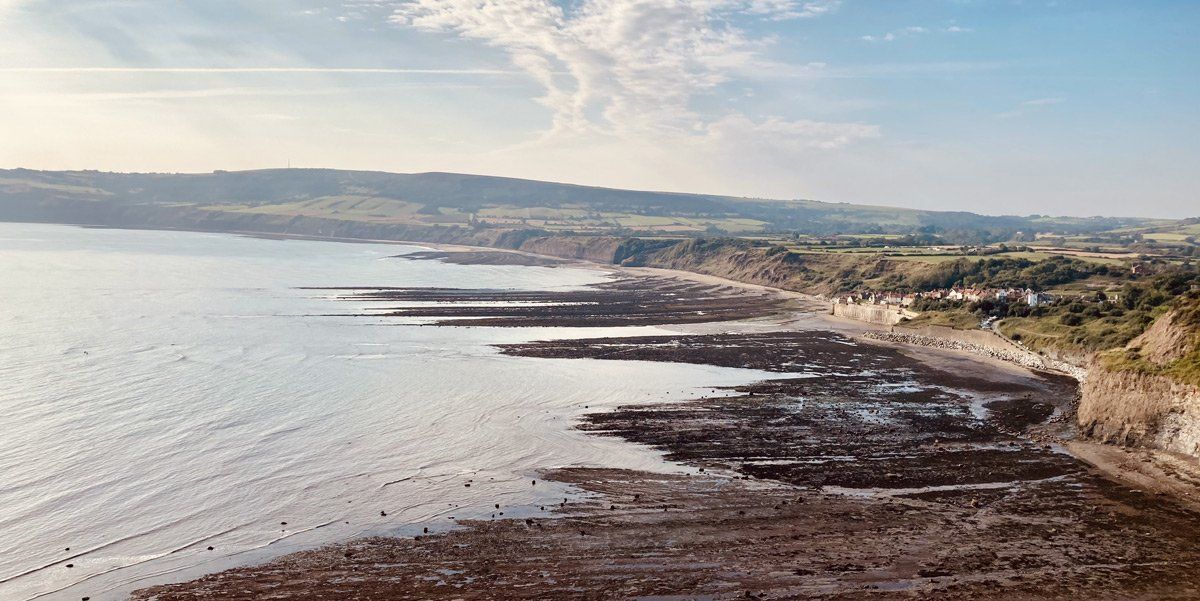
point(672, 495)
point(943, 503)
point(1107, 462)
point(970, 447)
point(834, 323)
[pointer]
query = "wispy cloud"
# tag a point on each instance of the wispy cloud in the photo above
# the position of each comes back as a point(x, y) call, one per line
point(89, 98)
point(625, 67)
point(893, 35)
point(913, 30)
point(237, 70)
point(780, 10)
point(907, 70)
point(1033, 104)
point(1044, 101)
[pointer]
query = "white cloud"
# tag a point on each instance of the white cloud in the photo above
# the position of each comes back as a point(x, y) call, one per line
point(1030, 106)
point(913, 30)
point(738, 131)
point(789, 9)
point(625, 68)
point(1043, 101)
point(892, 36)
point(256, 70)
point(7, 6)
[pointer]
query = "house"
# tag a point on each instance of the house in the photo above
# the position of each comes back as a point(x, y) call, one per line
point(1037, 299)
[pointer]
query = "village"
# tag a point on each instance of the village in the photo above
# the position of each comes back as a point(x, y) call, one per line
point(1004, 295)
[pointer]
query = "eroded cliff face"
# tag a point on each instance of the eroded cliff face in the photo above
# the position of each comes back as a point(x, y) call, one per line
point(1136, 396)
point(1143, 410)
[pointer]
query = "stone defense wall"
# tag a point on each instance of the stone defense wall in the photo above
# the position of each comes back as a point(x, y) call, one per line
point(879, 314)
point(980, 342)
point(986, 338)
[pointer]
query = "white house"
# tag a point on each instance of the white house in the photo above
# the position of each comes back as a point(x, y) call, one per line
point(1037, 299)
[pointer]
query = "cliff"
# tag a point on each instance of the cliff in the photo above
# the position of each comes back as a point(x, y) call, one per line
point(744, 261)
point(1148, 394)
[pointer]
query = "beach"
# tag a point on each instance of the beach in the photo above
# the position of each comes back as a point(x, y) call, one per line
point(861, 468)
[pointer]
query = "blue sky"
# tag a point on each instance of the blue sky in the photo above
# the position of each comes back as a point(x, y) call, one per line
point(1019, 107)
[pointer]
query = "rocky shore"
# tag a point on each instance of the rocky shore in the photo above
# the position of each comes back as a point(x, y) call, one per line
point(863, 470)
point(624, 301)
point(1020, 357)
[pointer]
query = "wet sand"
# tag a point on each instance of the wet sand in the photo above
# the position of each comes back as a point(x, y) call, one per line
point(868, 471)
point(484, 257)
point(625, 301)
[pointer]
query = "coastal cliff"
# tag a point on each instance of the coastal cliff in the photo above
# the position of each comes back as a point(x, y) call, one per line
point(1148, 394)
point(745, 261)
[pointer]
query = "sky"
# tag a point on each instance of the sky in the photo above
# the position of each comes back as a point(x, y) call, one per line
point(1063, 107)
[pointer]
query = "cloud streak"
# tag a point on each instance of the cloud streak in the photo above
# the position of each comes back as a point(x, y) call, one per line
point(915, 30)
point(1043, 101)
point(626, 68)
point(252, 70)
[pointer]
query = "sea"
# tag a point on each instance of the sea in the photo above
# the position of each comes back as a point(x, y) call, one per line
point(165, 392)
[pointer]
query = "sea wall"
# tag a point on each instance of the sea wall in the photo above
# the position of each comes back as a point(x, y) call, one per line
point(979, 342)
point(986, 338)
point(877, 314)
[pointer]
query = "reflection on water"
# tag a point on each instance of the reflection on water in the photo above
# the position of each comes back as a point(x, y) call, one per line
point(162, 393)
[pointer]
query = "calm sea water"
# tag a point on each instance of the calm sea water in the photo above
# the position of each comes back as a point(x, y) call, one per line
point(163, 392)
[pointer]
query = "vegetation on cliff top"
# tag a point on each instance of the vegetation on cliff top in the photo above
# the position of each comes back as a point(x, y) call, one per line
point(1181, 362)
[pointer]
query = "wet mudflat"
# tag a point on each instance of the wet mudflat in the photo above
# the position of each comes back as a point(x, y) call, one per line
point(483, 257)
point(622, 302)
point(865, 473)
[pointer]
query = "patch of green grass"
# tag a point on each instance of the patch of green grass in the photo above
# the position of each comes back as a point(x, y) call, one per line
point(959, 319)
point(67, 188)
point(1049, 332)
point(932, 259)
point(1185, 369)
point(355, 208)
point(1165, 236)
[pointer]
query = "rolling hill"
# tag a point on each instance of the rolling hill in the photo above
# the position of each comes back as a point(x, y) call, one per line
point(384, 205)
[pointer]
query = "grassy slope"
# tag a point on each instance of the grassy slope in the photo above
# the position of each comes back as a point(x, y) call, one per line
point(507, 202)
point(1184, 363)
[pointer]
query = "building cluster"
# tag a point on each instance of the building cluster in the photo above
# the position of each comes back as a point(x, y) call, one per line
point(1031, 297)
